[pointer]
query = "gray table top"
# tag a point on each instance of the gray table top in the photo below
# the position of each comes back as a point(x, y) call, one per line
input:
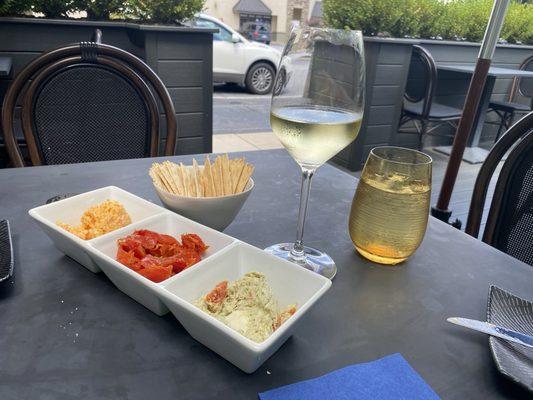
point(494, 71)
point(68, 333)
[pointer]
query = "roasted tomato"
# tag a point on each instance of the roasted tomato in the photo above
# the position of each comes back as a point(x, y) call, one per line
point(157, 256)
point(218, 294)
point(193, 241)
point(156, 274)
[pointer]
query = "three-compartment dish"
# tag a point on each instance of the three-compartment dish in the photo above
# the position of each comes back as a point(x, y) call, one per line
point(225, 259)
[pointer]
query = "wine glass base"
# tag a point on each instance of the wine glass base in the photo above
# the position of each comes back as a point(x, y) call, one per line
point(314, 260)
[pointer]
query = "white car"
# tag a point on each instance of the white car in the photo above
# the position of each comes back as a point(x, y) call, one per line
point(239, 60)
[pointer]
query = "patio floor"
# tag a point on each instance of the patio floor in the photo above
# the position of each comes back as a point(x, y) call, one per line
point(460, 201)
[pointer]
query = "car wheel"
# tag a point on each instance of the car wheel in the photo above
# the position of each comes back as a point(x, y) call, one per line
point(260, 78)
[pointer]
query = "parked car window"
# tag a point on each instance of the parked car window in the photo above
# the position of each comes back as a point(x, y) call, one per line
point(223, 33)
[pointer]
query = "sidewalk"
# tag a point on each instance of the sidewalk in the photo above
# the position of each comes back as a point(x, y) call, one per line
point(231, 142)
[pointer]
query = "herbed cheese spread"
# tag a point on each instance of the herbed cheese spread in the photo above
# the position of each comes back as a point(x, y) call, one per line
point(246, 305)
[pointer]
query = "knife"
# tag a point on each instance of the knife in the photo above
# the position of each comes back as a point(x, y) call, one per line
point(494, 330)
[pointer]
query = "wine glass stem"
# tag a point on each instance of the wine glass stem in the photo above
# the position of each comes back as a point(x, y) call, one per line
point(297, 252)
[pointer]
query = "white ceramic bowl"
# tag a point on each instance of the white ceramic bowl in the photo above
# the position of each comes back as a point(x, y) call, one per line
point(215, 212)
point(104, 249)
point(69, 211)
point(290, 283)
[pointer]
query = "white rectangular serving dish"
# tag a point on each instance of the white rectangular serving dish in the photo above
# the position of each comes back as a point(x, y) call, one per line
point(70, 210)
point(290, 283)
point(104, 249)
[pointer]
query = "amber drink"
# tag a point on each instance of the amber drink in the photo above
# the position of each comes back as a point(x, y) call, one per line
point(390, 208)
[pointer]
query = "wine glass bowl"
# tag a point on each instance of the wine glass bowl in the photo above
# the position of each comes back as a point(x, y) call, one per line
point(316, 111)
point(390, 208)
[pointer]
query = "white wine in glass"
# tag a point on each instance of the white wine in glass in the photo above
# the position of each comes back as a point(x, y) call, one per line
point(317, 110)
point(314, 134)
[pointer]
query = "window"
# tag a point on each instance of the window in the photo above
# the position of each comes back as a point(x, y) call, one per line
point(296, 14)
point(222, 34)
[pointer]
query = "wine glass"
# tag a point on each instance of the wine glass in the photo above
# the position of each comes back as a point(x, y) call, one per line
point(316, 111)
point(390, 208)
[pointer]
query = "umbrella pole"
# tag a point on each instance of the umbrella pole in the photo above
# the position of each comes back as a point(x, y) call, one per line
point(477, 83)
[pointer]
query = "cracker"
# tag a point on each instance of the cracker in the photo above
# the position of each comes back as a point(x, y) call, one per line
point(197, 175)
point(217, 176)
point(237, 167)
point(245, 177)
point(208, 175)
point(226, 175)
point(185, 180)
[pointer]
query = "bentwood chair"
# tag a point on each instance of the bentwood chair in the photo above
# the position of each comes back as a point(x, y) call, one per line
point(509, 225)
point(87, 102)
point(507, 110)
point(419, 106)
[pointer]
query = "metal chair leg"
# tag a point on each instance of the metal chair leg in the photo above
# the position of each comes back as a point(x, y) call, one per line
point(500, 127)
point(505, 122)
point(421, 133)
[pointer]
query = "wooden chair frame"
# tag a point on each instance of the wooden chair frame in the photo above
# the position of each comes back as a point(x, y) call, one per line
point(520, 135)
point(125, 64)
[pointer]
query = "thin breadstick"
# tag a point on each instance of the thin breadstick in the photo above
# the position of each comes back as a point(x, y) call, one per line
point(203, 184)
point(165, 170)
point(196, 172)
point(185, 179)
point(226, 175)
point(236, 173)
point(192, 186)
point(221, 178)
point(245, 177)
point(217, 176)
point(166, 166)
point(208, 174)
point(181, 180)
point(174, 170)
point(157, 179)
point(164, 178)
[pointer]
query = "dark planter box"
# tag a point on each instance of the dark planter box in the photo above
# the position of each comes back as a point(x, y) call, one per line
point(181, 56)
point(387, 66)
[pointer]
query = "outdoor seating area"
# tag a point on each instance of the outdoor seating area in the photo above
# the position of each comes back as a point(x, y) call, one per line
point(360, 227)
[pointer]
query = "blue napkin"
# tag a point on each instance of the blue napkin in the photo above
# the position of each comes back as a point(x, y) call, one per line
point(390, 377)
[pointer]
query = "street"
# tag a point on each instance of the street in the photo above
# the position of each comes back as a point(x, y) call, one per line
point(237, 111)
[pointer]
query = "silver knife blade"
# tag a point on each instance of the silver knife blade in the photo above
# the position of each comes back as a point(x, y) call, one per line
point(494, 330)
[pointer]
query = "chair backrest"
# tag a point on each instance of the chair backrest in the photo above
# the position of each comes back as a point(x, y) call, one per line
point(87, 102)
point(510, 220)
point(523, 86)
point(421, 79)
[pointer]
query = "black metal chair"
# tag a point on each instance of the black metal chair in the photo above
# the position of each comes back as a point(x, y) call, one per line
point(507, 110)
point(509, 225)
point(87, 102)
point(419, 106)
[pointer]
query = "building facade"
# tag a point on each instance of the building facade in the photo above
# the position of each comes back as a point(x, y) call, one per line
point(278, 16)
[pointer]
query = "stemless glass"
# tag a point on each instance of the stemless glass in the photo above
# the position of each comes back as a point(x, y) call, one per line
point(317, 109)
point(390, 208)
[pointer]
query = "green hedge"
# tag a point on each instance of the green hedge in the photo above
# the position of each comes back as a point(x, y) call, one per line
point(153, 11)
point(456, 19)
